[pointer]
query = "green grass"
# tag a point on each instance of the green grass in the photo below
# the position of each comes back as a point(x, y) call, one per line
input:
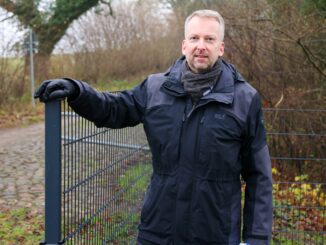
point(18, 112)
point(116, 85)
point(120, 225)
point(135, 180)
point(21, 226)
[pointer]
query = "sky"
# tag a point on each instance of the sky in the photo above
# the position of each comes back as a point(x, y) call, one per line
point(9, 33)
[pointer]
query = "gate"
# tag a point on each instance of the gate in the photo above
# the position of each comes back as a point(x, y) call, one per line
point(96, 177)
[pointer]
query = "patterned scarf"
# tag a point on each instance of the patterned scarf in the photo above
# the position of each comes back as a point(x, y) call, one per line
point(196, 84)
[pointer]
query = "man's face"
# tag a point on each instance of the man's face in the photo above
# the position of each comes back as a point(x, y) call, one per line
point(202, 45)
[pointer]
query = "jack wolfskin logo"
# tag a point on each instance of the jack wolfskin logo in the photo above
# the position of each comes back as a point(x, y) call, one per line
point(219, 115)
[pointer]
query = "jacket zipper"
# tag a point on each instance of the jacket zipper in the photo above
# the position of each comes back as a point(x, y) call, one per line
point(184, 118)
point(201, 122)
point(197, 105)
point(192, 109)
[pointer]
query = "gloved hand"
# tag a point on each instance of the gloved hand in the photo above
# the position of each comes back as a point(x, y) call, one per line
point(56, 89)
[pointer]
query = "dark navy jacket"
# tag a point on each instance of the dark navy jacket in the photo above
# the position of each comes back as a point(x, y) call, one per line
point(199, 153)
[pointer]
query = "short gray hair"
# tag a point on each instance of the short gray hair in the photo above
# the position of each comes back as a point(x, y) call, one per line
point(210, 14)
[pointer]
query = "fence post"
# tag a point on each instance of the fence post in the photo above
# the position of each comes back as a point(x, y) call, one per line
point(52, 173)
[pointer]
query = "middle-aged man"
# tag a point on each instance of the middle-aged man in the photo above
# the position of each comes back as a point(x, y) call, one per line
point(205, 129)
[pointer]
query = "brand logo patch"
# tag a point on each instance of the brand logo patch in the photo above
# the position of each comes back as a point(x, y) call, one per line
point(219, 115)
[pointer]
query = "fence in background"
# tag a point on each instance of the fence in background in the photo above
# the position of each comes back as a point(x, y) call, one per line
point(297, 143)
point(96, 178)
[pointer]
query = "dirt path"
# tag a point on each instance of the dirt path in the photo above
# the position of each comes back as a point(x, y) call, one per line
point(22, 167)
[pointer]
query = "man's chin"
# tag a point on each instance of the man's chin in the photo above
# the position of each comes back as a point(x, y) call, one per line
point(202, 68)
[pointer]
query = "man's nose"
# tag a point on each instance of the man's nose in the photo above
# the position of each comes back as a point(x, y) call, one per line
point(201, 44)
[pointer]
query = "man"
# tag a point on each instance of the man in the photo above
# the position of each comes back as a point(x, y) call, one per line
point(205, 129)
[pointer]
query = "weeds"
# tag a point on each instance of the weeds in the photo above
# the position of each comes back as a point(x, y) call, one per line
point(21, 226)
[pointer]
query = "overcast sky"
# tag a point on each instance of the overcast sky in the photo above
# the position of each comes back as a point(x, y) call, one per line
point(9, 32)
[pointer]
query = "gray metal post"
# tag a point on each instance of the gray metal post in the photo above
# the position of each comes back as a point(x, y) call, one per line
point(31, 59)
point(52, 172)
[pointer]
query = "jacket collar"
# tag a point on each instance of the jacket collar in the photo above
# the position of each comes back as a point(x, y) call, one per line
point(223, 90)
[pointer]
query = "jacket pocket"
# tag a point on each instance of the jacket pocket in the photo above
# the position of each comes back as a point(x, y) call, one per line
point(161, 128)
point(219, 146)
point(211, 214)
point(157, 212)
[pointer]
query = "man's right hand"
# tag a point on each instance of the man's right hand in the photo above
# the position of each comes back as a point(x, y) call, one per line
point(56, 89)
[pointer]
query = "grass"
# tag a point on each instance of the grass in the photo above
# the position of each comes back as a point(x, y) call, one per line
point(135, 180)
point(21, 226)
point(24, 226)
point(116, 85)
point(19, 112)
point(118, 223)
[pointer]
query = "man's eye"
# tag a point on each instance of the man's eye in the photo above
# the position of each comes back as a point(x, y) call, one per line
point(193, 38)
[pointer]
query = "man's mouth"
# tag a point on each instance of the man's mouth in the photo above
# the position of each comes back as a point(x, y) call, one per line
point(201, 56)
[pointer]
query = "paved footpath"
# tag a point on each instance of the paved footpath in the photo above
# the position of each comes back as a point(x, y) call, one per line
point(22, 167)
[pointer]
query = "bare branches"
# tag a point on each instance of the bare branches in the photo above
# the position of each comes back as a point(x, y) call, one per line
point(310, 57)
point(109, 4)
point(8, 18)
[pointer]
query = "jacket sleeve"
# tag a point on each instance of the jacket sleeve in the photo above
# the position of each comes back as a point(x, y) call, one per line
point(256, 172)
point(110, 110)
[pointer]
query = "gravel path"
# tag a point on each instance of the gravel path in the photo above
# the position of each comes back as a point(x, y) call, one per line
point(22, 167)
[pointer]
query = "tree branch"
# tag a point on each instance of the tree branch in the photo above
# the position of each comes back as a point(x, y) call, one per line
point(7, 18)
point(26, 11)
point(109, 4)
point(7, 5)
point(307, 53)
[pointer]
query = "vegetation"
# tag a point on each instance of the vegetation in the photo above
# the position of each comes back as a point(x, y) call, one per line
point(52, 21)
point(278, 45)
point(135, 181)
point(20, 113)
point(298, 207)
point(21, 226)
point(118, 221)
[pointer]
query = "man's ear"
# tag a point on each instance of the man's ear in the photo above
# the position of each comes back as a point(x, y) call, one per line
point(183, 47)
point(221, 49)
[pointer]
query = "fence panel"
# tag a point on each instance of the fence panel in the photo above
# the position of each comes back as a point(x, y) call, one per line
point(297, 143)
point(104, 175)
point(101, 175)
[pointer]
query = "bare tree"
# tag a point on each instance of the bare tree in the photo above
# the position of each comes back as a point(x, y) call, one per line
point(49, 25)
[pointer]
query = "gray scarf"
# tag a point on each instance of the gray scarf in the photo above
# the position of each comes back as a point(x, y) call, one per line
point(195, 84)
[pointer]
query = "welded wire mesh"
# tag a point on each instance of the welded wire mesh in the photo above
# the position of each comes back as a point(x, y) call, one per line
point(105, 173)
point(297, 143)
point(104, 176)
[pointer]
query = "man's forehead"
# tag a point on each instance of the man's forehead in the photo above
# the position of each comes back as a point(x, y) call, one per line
point(209, 20)
point(195, 26)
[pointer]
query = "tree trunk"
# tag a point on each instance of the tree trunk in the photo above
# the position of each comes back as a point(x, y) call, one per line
point(42, 65)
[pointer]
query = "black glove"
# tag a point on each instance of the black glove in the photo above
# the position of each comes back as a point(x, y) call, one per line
point(57, 89)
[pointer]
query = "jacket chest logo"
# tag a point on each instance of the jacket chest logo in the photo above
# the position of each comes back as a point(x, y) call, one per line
point(219, 116)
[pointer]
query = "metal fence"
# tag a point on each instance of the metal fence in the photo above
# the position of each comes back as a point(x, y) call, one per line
point(297, 143)
point(96, 178)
